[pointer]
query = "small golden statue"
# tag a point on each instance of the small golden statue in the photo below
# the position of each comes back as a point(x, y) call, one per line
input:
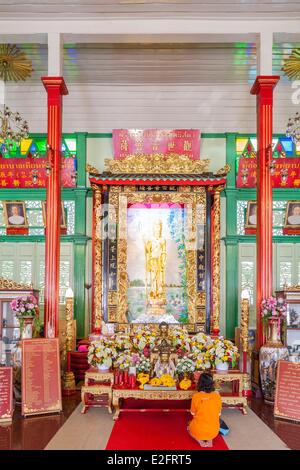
point(164, 364)
point(155, 260)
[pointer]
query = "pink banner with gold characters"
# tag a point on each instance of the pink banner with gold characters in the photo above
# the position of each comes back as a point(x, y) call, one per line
point(148, 141)
point(285, 174)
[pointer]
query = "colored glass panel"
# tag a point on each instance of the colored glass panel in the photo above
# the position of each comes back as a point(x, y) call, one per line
point(287, 145)
point(25, 145)
point(71, 145)
point(254, 143)
point(298, 148)
point(241, 143)
point(41, 145)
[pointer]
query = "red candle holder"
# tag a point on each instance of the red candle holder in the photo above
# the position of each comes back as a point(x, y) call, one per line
point(126, 377)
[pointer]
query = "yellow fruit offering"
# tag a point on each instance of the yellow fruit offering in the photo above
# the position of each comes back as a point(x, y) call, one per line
point(155, 381)
point(143, 379)
point(185, 384)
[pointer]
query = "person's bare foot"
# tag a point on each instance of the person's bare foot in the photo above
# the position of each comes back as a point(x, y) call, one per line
point(205, 443)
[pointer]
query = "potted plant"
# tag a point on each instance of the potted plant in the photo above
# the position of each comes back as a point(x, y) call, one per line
point(26, 310)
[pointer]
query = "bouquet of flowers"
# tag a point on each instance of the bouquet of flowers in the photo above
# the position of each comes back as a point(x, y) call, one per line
point(273, 308)
point(185, 365)
point(122, 342)
point(144, 365)
point(180, 340)
point(223, 350)
point(25, 306)
point(123, 360)
point(102, 352)
point(143, 338)
point(200, 359)
point(200, 342)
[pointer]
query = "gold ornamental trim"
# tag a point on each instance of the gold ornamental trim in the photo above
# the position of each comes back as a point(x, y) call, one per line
point(245, 324)
point(190, 199)
point(291, 288)
point(224, 170)
point(216, 259)
point(9, 284)
point(91, 169)
point(97, 214)
point(157, 163)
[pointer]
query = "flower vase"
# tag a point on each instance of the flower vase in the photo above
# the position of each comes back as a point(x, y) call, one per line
point(269, 355)
point(222, 366)
point(103, 367)
point(26, 326)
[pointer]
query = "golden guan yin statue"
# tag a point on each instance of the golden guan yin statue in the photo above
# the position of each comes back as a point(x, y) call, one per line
point(155, 262)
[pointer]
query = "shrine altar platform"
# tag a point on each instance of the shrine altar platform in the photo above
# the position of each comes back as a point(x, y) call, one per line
point(95, 387)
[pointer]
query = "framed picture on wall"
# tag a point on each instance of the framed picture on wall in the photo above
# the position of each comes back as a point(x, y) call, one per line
point(63, 223)
point(293, 315)
point(292, 215)
point(251, 218)
point(15, 214)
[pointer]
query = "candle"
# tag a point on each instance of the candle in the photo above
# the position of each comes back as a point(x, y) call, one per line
point(121, 379)
point(132, 380)
point(126, 377)
point(116, 377)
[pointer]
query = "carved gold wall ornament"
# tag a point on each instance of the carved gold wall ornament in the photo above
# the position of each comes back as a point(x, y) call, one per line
point(91, 169)
point(224, 170)
point(9, 284)
point(216, 258)
point(157, 163)
point(245, 324)
point(190, 200)
point(97, 253)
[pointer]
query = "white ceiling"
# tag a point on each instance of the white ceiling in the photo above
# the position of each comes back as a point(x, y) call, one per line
point(266, 9)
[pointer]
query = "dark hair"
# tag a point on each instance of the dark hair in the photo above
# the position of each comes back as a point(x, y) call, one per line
point(205, 383)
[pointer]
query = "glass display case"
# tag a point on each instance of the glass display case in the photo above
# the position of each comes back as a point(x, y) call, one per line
point(291, 296)
point(9, 323)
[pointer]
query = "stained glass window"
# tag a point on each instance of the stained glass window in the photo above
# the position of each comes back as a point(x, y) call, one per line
point(36, 147)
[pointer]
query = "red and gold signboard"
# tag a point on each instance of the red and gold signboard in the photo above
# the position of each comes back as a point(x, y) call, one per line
point(41, 386)
point(6, 394)
point(18, 172)
point(287, 397)
point(286, 173)
point(149, 141)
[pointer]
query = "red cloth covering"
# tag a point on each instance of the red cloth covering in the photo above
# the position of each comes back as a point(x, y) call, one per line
point(156, 431)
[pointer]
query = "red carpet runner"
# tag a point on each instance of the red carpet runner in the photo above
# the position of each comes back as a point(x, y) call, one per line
point(155, 431)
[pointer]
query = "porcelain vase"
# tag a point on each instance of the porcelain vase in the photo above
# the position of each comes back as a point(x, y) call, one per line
point(102, 367)
point(222, 366)
point(269, 355)
point(26, 327)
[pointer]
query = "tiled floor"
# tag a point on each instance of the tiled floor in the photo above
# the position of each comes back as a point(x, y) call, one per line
point(35, 433)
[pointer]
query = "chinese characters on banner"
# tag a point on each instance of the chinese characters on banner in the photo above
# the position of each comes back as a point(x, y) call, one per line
point(149, 141)
point(285, 175)
point(17, 172)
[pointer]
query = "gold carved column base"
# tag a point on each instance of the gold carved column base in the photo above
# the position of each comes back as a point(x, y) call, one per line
point(68, 384)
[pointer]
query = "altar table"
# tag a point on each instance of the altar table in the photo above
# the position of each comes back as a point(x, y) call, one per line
point(96, 384)
point(234, 399)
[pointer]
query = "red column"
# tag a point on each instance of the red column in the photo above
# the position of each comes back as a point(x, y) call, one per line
point(263, 89)
point(56, 88)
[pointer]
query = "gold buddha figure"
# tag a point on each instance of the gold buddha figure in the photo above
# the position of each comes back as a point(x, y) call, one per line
point(164, 364)
point(155, 261)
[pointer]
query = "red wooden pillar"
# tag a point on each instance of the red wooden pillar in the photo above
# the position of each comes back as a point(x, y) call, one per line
point(263, 89)
point(56, 88)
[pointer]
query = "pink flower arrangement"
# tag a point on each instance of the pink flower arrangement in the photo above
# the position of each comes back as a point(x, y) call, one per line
point(24, 306)
point(273, 308)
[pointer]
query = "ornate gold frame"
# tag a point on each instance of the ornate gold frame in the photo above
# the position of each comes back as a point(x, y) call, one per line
point(119, 198)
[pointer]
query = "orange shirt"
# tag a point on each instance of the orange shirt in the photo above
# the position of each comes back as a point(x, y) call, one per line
point(206, 408)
